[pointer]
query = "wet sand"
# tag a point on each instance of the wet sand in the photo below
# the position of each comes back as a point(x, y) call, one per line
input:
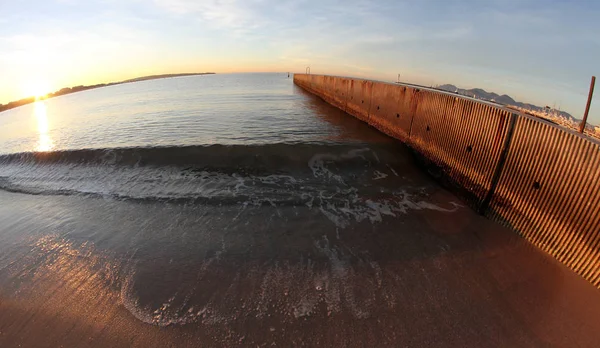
point(89, 272)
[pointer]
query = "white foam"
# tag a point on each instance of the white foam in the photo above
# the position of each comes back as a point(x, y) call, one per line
point(392, 169)
point(377, 175)
point(355, 209)
point(319, 169)
point(318, 163)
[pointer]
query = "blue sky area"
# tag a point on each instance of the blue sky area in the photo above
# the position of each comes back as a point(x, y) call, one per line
point(542, 52)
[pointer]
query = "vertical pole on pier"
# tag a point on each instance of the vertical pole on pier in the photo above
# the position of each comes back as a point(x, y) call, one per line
point(587, 106)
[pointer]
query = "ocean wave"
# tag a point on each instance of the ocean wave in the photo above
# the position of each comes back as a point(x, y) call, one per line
point(189, 172)
point(345, 183)
point(214, 156)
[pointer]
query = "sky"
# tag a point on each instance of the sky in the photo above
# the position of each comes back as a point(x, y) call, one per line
point(543, 52)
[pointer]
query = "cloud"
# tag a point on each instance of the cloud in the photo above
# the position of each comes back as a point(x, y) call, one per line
point(237, 16)
point(462, 40)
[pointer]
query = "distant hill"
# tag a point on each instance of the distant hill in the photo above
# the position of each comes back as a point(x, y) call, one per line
point(69, 90)
point(163, 76)
point(504, 99)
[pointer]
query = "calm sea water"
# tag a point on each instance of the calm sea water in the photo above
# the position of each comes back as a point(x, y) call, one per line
point(196, 110)
point(238, 210)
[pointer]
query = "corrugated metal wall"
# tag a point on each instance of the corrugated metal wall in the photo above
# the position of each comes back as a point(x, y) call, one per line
point(462, 136)
point(359, 98)
point(390, 110)
point(549, 191)
point(538, 178)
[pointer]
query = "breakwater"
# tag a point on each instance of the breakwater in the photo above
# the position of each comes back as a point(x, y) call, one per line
point(534, 176)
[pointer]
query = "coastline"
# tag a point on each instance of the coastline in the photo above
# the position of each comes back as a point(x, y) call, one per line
point(71, 90)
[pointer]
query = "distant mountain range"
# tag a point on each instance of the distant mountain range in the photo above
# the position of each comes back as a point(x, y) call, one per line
point(504, 99)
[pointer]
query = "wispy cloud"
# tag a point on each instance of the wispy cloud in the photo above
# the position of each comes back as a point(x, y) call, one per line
point(238, 17)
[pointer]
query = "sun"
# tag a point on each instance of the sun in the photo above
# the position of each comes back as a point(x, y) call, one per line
point(36, 88)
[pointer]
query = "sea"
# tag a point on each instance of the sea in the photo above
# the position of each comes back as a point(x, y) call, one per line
point(239, 210)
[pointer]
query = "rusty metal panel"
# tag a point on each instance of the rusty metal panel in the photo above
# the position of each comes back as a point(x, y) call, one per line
point(462, 136)
point(340, 94)
point(407, 107)
point(549, 191)
point(327, 89)
point(301, 80)
point(389, 112)
point(305, 81)
point(320, 85)
point(359, 98)
point(317, 83)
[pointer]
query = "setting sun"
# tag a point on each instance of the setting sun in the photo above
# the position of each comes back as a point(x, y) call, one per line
point(36, 88)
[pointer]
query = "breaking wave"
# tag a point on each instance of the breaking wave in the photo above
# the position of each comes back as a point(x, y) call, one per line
point(345, 182)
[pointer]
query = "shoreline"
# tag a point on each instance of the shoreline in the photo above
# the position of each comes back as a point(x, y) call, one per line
point(70, 90)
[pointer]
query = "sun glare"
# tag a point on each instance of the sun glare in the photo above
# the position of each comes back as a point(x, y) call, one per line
point(37, 89)
point(45, 142)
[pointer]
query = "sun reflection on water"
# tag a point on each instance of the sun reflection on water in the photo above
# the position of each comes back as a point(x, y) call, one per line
point(44, 142)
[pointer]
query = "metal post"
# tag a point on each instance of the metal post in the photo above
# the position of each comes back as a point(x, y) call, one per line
point(485, 204)
point(587, 106)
